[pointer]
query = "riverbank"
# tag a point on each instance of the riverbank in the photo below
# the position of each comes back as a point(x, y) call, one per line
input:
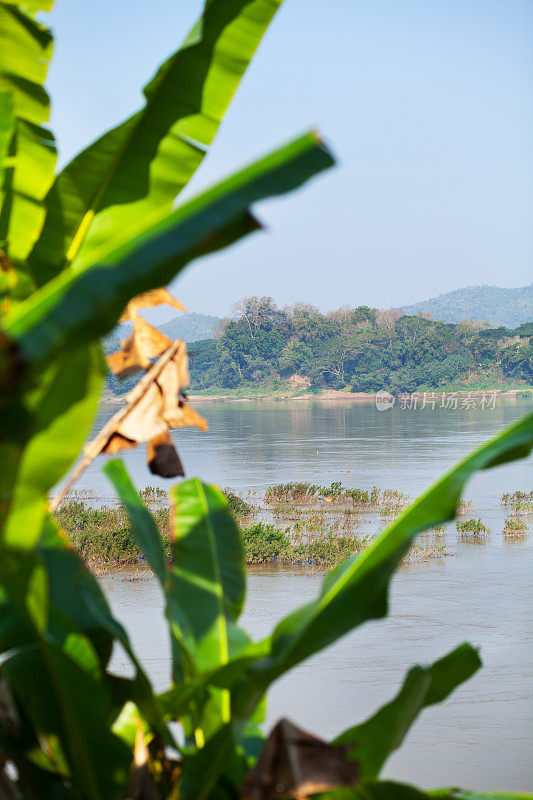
point(440, 396)
point(429, 396)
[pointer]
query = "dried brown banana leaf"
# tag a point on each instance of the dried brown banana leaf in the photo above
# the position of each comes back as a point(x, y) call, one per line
point(163, 458)
point(144, 419)
point(116, 443)
point(295, 764)
point(153, 406)
point(144, 344)
point(155, 297)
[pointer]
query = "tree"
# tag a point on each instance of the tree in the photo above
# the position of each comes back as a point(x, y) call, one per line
point(388, 317)
point(295, 356)
point(517, 360)
point(259, 313)
point(352, 347)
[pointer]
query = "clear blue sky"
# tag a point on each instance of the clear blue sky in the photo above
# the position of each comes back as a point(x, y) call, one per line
point(428, 105)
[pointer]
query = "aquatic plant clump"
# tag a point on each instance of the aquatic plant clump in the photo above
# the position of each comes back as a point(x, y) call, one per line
point(393, 503)
point(264, 544)
point(464, 507)
point(291, 492)
point(321, 536)
point(472, 527)
point(437, 530)
point(299, 492)
point(153, 493)
point(103, 536)
point(514, 526)
point(237, 505)
point(518, 501)
point(304, 524)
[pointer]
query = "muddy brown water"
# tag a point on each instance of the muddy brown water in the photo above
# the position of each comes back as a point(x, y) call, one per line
point(481, 737)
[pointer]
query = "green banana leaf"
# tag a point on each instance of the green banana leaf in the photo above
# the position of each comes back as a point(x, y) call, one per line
point(33, 5)
point(33, 780)
point(54, 675)
point(464, 794)
point(206, 585)
point(143, 527)
point(6, 130)
point(69, 708)
point(67, 627)
point(25, 586)
point(78, 595)
point(26, 51)
point(374, 740)
point(52, 428)
point(375, 790)
point(110, 193)
point(390, 790)
point(353, 593)
point(204, 591)
point(72, 309)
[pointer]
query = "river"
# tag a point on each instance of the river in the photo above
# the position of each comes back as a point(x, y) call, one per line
point(481, 737)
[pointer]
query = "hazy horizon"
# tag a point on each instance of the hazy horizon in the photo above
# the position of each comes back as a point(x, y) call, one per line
point(163, 314)
point(427, 107)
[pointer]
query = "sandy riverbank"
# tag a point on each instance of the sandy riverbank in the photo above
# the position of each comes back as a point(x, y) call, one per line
point(334, 394)
point(356, 397)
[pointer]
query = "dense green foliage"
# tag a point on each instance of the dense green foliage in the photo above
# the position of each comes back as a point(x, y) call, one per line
point(76, 247)
point(264, 543)
point(103, 536)
point(360, 349)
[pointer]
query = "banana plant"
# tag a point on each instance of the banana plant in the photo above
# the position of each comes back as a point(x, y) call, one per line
point(74, 249)
point(220, 678)
point(103, 229)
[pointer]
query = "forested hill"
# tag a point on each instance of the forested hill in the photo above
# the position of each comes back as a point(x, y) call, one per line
point(360, 349)
point(191, 327)
point(492, 304)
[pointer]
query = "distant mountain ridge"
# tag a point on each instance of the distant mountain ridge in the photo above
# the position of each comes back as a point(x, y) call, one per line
point(493, 304)
point(498, 306)
point(191, 327)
